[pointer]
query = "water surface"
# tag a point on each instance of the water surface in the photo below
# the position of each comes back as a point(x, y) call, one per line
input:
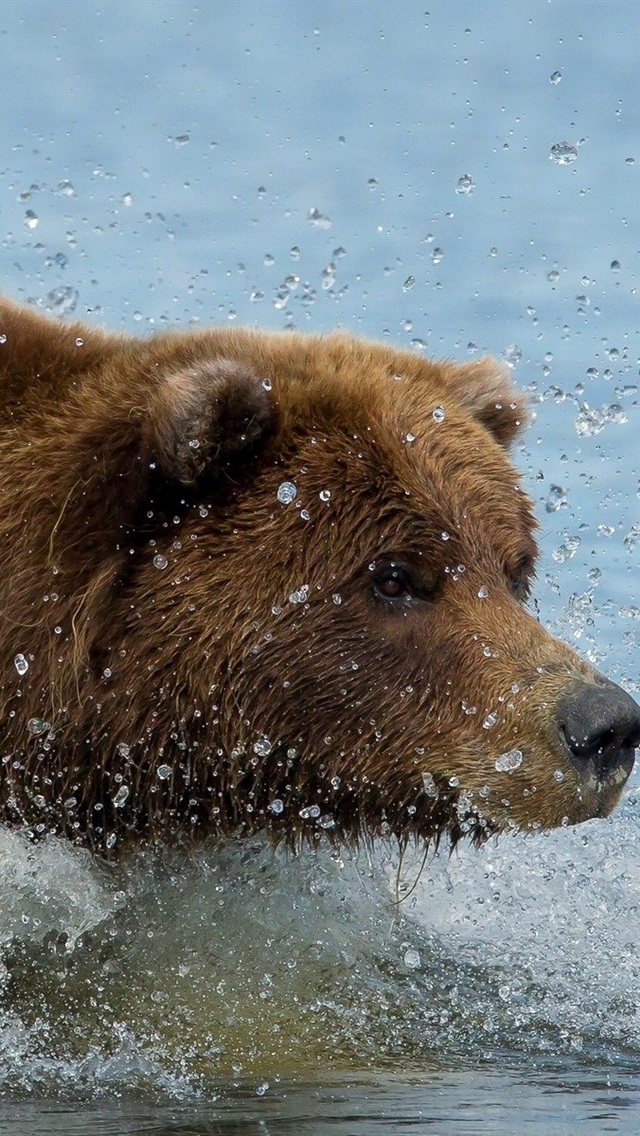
point(387, 168)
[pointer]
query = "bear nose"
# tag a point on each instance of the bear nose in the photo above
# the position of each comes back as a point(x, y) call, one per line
point(600, 726)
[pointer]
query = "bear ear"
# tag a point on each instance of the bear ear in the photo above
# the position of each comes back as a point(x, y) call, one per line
point(204, 417)
point(485, 389)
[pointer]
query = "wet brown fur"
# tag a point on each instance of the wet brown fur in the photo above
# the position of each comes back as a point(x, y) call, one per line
point(321, 715)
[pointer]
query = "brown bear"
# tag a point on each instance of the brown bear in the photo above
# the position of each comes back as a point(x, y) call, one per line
point(259, 581)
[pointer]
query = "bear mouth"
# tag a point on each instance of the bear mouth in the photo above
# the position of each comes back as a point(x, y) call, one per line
point(601, 771)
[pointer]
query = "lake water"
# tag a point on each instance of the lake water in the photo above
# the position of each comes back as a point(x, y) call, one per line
point(458, 177)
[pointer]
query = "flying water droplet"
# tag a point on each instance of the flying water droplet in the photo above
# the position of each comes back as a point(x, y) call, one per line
point(563, 153)
point(21, 664)
point(37, 726)
point(160, 561)
point(509, 761)
point(287, 493)
point(61, 301)
point(121, 796)
point(465, 184)
point(556, 499)
point(439, 414)
point(311, 812)
point(412, 959)
point(512, 355)
point(429, 785)
point(319, 220)
point(300, 595)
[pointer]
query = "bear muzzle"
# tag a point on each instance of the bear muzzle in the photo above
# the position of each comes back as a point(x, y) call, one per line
point(599, 728)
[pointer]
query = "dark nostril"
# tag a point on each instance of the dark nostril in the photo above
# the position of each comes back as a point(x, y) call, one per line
point(601, 724)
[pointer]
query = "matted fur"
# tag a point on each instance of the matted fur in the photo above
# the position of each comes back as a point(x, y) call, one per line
point(203, 658)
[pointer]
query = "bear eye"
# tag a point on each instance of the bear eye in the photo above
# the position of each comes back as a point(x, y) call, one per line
point(396, 581)
point(392, 582)
point(520, 578)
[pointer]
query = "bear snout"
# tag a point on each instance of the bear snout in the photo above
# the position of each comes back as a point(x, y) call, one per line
point(599, 726)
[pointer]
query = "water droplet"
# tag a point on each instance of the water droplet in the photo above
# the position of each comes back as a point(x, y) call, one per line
point(37, 726)
point(266, 384)
point(437, 255)
point(262, 747)
point(329, 275)
point(633, 536)
point(31, 219)
point(182, 139)
point(121, 796)
point(311, 812)
point(567, 549)
point(276, 806)
point(319, 220)
point(408, 284)
point(465, 184)
point(558, 775)
point(509, 761)
point(305, 515)
point(123, 749)
point(430, 787)
point(483, 592)
point(287, 493)
point(325, 494)
point(409, 438)
point(490, 720)
point(555, 78)
point(411, 959)
point(563, 153)
point(300, 595)
point(160, 561)
point(164, 772)
point(337, 598)
point(439, 414)
point(79, 342)
point(556, 499)
point(21, 664)
point(61, 301)
point(512, 355)
point(615, 266)
point(64, 188)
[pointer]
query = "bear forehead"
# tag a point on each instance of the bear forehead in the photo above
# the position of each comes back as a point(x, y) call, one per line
point(422, 435)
